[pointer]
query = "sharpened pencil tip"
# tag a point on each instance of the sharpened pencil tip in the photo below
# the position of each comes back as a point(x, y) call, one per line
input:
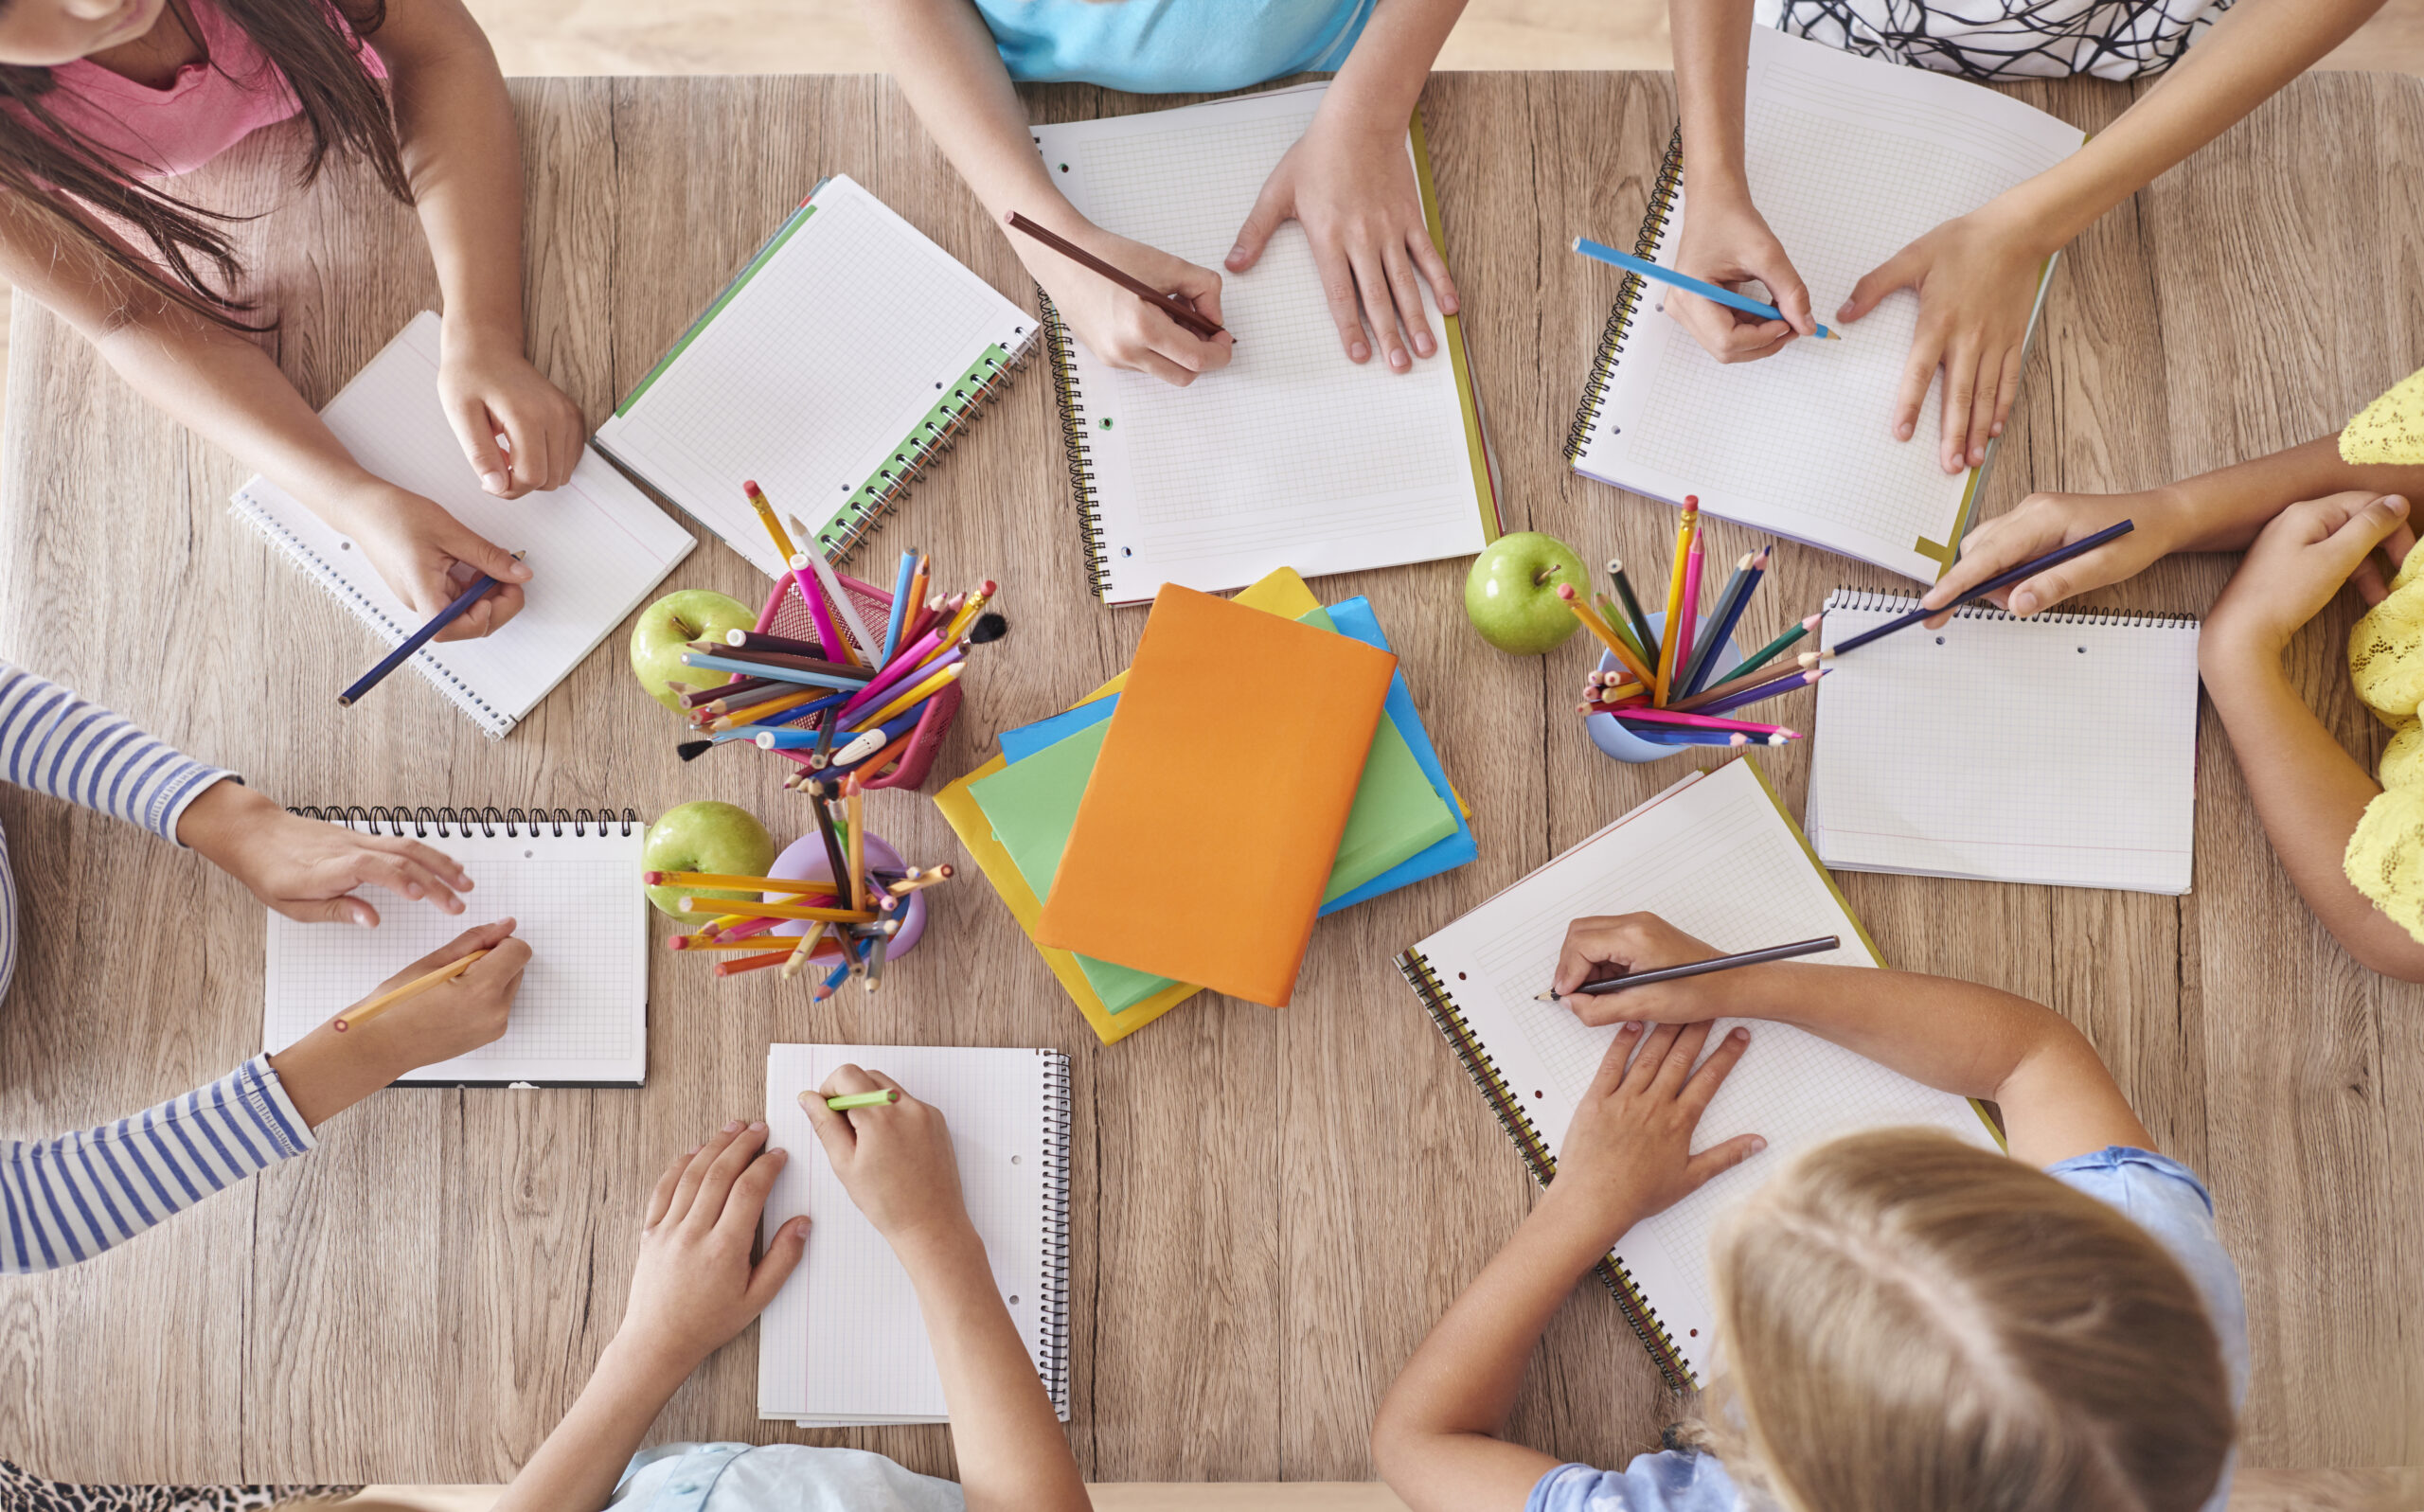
point(1545, 997)
point(692, 750)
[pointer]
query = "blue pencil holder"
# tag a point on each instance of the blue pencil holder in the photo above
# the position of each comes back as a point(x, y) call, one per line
point(1618, 741)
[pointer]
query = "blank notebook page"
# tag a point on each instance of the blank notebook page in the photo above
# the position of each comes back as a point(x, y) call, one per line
point(582, 1015)
point(844, 1341)
point(596, 546)
point(1291, 456)
point(2060, 749)
point(1849, 159)
point(1717, 858)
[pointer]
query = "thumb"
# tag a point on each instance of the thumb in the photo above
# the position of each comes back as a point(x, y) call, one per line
point(775, 1266)
point(1718, 1159)
point(466, 545)
point(2043, 591)
point(344, 910)
point(1899, 271)
point(1787, 292)
point(1269, 208)
point(2362, 532)
point(476, 433)
point(833, 1131)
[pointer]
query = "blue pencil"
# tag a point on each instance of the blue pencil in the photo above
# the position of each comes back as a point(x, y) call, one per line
point(778, 674)
point(419, 638)
point(899, 606)
point(1687, 282)
point(1729, 613)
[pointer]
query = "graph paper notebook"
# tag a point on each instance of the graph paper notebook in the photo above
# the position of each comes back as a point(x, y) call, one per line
point(1849, 159)
point(596, 546)
point(833, 369)
point(1716, 856)
point(580, 1017)
point(2059, 749)
point(844, 1343)
point(1291, 456)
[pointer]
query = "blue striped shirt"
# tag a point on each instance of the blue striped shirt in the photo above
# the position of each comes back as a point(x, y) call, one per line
point(67, 1199)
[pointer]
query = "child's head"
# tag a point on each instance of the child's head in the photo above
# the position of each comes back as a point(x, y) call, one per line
point(1914, 1323)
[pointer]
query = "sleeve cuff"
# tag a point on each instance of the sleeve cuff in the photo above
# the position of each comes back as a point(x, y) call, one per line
point(181, 794)
point(264, 1097)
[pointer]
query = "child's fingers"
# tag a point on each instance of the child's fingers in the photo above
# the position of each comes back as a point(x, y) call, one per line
point(2009, 390)
point(478, 937)
point(1952, 415)
point(429, 856)
point(1918, 372)
point(1434, 269)
point(401, 874)
point(1982, 405)
point(848, 1079)
point(1338, 292)
point(833, 1130)
point(694, 1173)
point(662, 1197)
point(1718, 1159)
point(747, 1201)
point(782, 1257)
point(1611, 1074)
point(1270, 210)
point(529, 459)
point(1652, 1054)
point(1713, 1070)
point(715, 1187)
point(1405, 291)
point(1154, 364)
point(1676, 1066)
point(1897, 272)
point(1372, 293)
point(475, 431)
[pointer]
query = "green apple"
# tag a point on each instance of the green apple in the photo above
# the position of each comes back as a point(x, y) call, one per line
point(705, 836)
point(1512, 597)
point(665, 631)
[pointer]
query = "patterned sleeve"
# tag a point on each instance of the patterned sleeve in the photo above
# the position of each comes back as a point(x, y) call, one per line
point(54, 742)
point(68, 1198)
point(1672, 1481)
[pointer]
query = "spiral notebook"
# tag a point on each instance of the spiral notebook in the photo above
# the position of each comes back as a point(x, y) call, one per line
point(1717, 856)
point(843, 1343)
point(2059, 749)
point(1849, 159)
point(568, 878)
point(838, 363)
point(1291, 456)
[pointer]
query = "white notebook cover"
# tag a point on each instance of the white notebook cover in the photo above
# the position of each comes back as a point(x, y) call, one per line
point(580, 1017)
point(1291, 456)
point(2059, 749)
point(817, 374)
point(1849, 159)
point(1716, 856)
point(596, 546)
point(844, 1343)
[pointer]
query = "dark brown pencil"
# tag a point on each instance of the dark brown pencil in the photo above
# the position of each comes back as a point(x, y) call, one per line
point(750, 640)
point(784, 659)
point(1171, 305)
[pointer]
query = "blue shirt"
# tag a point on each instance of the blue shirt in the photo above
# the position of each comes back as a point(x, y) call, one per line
point(2158, 1193)
point(776, 1477)
point(1172, 46)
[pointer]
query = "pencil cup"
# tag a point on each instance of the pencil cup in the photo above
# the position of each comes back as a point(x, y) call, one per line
point(1623, 744)
point(805, 858)
point(784, 614)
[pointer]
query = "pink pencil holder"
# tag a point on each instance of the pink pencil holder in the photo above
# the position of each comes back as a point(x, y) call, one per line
point(786, 615)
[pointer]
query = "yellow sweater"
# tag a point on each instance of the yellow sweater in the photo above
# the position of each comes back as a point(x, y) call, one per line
point(2385, 856)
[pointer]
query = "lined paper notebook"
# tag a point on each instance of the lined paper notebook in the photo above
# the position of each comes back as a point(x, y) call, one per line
point(580, 1018)
point(2059, 749)
point(844, 1343)
point(596, 546)
point(833, 369)
point(1291, 456)
point(1716, 856)
point(1849, 159)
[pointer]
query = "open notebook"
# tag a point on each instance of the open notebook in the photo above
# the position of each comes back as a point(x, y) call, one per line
point(1291, 456)
point(1716, 856)
point(1849, 159)
point(596, 546)
point(2059, 749)
point(844, 1343)
point(836, 366)
point(580, 1017)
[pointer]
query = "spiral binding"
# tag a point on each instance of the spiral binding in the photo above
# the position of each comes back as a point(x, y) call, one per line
point(1873, 601)
point(1054, 1365)
point(863, 516)
point(1611, 339)
point(1482, 1069)
point(1073, 436)
point(459, 824)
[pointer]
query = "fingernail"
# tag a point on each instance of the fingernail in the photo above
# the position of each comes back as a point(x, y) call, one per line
point(694, 1149)
point(493, 481)
point(1400, 361)
point(2398, 505)
point(1738, 1034)
point(412, 889)
point(1757, 1145)
point(1359, 352)
point(1423, 344)
point(803, 1102)
point(1977, 455)
point(798, 1225)
point(757, 1125)
point(1237, 253)
point(2023, 604)
point(1902, 431)
point(733, 1128)
point(1996, 429)
point(1843, 312)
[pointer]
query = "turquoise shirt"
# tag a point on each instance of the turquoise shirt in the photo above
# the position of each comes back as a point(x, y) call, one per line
point(1172, 46)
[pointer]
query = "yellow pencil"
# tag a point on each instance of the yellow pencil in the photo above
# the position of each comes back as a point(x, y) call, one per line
point(968, 610)
point(1606, 632)
point(752, 713)
point(390, 999)
point(921, 691)
point(857, 855)
point(830, 915)
point(1666, 636)
point(799, 953)
point(783, 547)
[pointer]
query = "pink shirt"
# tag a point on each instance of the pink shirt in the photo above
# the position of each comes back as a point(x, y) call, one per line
point(206, 108)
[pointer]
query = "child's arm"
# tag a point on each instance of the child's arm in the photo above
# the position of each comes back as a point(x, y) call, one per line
point(693, 1289)
point(1626, 1156)
point(2308, 792)
point(896, 1163)
point(464, 161)
point(2057, 1099)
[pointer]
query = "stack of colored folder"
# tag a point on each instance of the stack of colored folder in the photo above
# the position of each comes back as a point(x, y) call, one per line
point(1262, 775)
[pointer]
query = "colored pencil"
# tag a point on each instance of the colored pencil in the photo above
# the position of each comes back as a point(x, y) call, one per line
point(840, 974)
point(1688, 636)
point(790, 911)
point(832, 843)
point(722, 942)
point(405, 649)
point(750, 640)
point(1666, 636)
point(1763, 656)
point(1730, 605)
point(1685, 282)
point(758, 502)
point(1601, 629)
point(761, 690)
point(969, 610)
point(857, 855)
point(862, 746)
point(917, 880)
point(862, 1099)
point(858, 675)
point(1608, 609)
point(1714, 963)
point(695, 698)
point(353, 1018)
point(899, 615)
point(1792, 682)
point(917, 693)
point(804, 886)
point(810, 600)
point(752, 962)
point(1669, 737)
point(861, 645)
point(1188, 318)
point(781, 674)
point(857, 772)
point(1995, 584)
point(1699, 721)
point(1642, 632)
point(773, 710)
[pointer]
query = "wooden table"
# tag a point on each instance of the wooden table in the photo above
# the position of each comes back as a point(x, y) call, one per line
point(1272, 1207)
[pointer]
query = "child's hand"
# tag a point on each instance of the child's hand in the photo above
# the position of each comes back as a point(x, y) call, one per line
point(2043, 522)
point(307, 870)
point(895, 1161)
point(426, 557)
point(1628, 1153)
point(490, 390)
point(331, 1069)
point(1118, 326)
point(1726, 241)
point(694, 1286)
point(2298, 564)
point(1352, 185)
point(1611, 946)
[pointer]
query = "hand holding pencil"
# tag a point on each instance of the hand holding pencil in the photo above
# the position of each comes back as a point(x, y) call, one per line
point(1116, 324)
point(1600, 949)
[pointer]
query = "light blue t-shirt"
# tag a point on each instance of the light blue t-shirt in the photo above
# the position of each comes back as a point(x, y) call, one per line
point(776, 1478)
point(1172, 46)
point(2158, 1193)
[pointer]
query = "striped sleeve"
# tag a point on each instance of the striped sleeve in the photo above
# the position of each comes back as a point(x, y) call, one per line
point(55, 742)
point(68, 1198)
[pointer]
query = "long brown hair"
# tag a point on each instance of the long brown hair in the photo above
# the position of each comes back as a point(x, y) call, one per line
point(65, 177)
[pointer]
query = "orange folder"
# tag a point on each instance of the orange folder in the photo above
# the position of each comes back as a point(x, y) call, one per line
point(1207, 833)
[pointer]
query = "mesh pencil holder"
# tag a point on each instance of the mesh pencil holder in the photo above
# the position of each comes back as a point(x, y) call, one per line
point(786, 615)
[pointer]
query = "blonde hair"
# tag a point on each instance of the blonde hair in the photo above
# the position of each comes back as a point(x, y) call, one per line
point(1913, 1323)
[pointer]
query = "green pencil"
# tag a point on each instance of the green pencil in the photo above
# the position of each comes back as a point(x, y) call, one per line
point(862, 1099)
point(1767, 654)
point(1632, 607)
point(1615, 619)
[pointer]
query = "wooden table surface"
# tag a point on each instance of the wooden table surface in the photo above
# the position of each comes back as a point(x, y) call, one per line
point(1271, 1207)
